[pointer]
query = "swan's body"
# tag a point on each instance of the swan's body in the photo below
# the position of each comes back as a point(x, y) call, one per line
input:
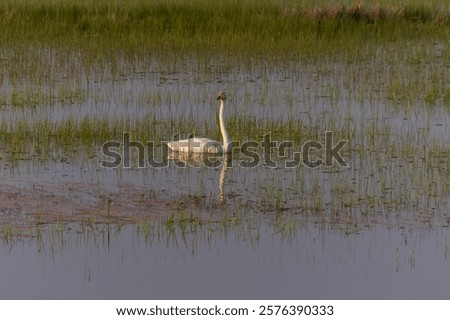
point(204, 145)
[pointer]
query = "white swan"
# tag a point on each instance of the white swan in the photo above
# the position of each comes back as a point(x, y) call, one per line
point(204, 145)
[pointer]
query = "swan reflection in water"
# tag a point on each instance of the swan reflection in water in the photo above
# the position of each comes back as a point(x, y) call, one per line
point(206, 162)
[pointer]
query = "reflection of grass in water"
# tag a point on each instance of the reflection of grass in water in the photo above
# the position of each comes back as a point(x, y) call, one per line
point(56, 49)
point(385, 169)
point(382, 191)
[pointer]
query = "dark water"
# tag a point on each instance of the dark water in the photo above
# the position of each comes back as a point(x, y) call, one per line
point(315, 263)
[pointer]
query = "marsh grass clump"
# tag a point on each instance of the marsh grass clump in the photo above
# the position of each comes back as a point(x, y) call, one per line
point(360, 12)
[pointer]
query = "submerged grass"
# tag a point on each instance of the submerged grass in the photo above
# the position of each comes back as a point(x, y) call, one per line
point(371, 73)
point(40, 137)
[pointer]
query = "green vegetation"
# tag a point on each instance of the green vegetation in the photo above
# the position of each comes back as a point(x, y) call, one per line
point(76, 74)
point(230, 26)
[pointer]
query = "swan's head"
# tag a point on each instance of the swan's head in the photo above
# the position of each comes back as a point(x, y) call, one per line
point(222, 96)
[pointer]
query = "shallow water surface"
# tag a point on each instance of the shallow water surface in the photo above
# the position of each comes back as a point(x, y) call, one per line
point(376, 228)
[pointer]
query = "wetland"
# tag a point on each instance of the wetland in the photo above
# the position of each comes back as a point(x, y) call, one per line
point(75, 75)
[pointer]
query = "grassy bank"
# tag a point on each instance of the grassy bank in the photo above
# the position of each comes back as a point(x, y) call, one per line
point(224, 26)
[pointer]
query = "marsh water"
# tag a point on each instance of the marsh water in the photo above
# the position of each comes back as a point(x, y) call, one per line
point(376, 228)
point(315, 263)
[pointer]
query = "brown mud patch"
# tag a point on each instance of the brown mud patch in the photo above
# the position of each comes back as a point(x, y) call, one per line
point(24, 208)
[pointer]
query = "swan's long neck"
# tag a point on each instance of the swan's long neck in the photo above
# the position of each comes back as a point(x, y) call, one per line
point(223, 129)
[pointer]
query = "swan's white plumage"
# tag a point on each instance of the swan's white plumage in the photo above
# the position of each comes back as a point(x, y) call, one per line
point(196, 145)
point(204, 145)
